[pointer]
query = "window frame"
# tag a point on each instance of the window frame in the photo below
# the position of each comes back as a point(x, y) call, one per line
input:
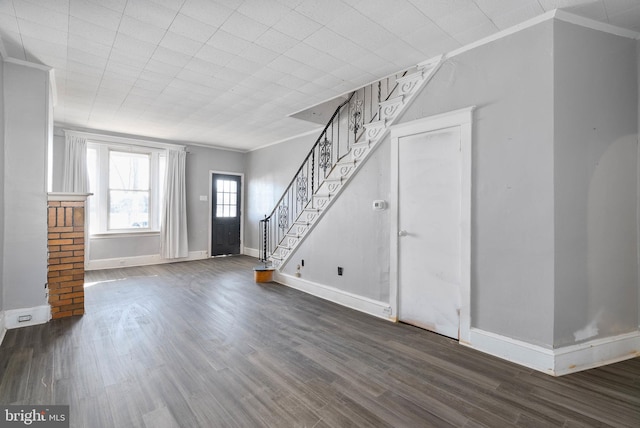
point(101, 197)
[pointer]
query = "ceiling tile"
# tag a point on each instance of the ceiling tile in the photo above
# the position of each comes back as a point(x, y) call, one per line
point(259, 54)
point(267, 13)
point(437, 9)
point(116, 5)
point(297, 25)
point(207, 11)
point(201, 66)
point(180, 43)
point(87, 45)
point(214, 55)
point(244, 27)
point(141, 30)
point(41, 32)
point(192, 28)
point(509, 18)
point(618, 7)
point(130, 45)
point(276, 41)
point(90, 31)
point(228, 42)
point(170, 4)
point(8, 23)
point(170, 57)
point(463, 20)
point(628, 19)
point(36, 46)
point(95, 14)
point(324, 11)
point(475, 33)
point(149, 12)
point(34, 13)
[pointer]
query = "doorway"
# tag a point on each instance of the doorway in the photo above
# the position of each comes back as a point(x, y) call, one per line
point(226, 214)
point(431, 244)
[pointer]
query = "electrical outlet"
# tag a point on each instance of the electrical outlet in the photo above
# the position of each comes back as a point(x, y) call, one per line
point(340, 271)
point(24, 318)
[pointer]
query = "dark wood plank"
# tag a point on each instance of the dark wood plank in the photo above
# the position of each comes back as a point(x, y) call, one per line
point(199, 344)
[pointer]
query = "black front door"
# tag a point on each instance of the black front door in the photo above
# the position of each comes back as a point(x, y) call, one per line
point(225, 214)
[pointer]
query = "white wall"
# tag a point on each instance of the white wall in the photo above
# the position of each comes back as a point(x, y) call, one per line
point(595, 170)
point(26, 96)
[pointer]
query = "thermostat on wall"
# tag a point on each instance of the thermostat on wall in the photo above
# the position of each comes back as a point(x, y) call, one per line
point(379, 205)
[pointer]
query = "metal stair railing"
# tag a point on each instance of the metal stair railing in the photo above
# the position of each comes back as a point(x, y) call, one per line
point(342, 131)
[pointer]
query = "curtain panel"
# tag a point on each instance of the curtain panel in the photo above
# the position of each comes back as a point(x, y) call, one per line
point(173, 230)
point(75, 178)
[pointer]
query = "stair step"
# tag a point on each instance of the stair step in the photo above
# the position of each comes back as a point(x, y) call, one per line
point(409, 83)
point(359, 150)
point(391, 107)
point(374, 130)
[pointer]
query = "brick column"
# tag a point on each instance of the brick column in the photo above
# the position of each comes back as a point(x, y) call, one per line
point(66, 255)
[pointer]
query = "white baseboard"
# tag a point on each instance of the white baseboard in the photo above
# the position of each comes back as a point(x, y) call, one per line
point(253, 252)
point(3, 328)
point(353, 301)
point(559, 361)
point(152, 259)
point(39, 315)
point(596, 353)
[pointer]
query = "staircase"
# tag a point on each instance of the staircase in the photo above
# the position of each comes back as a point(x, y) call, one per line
point(352, 133)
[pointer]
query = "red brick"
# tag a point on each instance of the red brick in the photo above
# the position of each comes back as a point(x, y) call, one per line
point(78, 216)
point(66, 266)
point(56, 280)
point(62, 314)
point(61, 229)
point(72, 247)
point(60, 242)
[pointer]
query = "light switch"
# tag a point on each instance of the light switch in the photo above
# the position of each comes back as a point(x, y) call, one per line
point(204, 198)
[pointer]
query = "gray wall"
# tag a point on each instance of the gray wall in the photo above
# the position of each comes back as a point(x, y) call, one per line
point(353, 236)
point(2, 204)
point(511, 83)
point(268, 173)
point(200, 161)
point(25, 198)
point(595, 170)
point(512, 199)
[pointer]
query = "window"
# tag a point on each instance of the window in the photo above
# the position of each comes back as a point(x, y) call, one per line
point(227, 198)
point(127, 185)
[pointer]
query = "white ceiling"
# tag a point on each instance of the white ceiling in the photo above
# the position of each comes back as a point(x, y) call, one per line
point(229, 72)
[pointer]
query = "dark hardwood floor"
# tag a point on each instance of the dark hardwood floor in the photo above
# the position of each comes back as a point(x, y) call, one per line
point(199, 344)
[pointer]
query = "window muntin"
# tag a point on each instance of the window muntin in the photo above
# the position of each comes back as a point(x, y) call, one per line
point(226, 198)
point(129, 190)
point(127, 183)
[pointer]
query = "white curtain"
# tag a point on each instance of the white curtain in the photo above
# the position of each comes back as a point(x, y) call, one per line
point(75, 178)
point(173, 230)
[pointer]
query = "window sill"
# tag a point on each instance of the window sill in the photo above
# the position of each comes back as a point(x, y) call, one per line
point(127, 234)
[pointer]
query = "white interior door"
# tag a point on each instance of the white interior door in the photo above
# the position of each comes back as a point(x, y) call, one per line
point(429, 224)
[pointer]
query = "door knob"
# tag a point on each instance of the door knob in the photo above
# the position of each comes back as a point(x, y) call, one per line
point(402, 233)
